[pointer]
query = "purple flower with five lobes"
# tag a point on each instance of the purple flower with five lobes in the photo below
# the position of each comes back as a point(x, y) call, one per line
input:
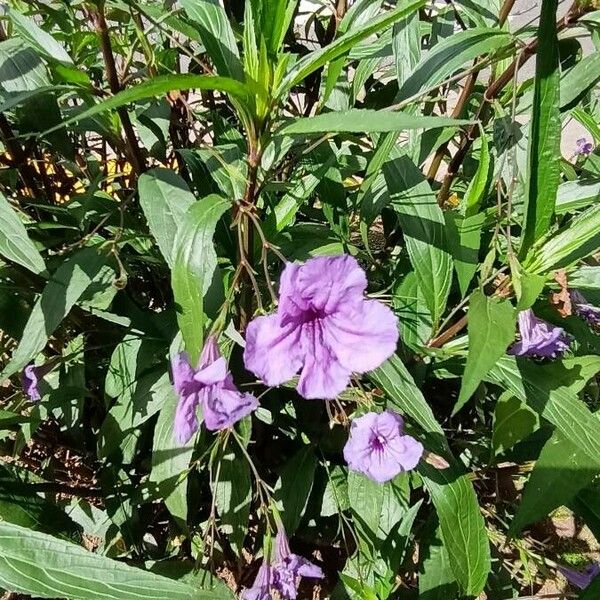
point(585, 310)
point(539, 339)
point(581, 579)
point(283, 574)
point(583, 147)
point(324, 327)
point(379, 448)
point(211, 386)
point(289, 568)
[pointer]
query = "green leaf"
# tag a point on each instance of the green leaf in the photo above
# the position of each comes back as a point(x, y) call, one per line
point(194, 265)
point(513, 422)
point(366, 501)
point(22, 69)
point(38, 39)
point(170, 462)
point(358, 120)
point(318, 58)
point(15, 244)
point(543, 170)
point(491, 326)
point(578, 80)
point(587, 506)
point(159, 86)
point(577, 240)
point(464, 239)
point(274, 18)
point(164, 198)
point(574, 195)
point(477, 186)
point(592, 591)
point(217, 36)
point(406, 44)
point(45, 567)
point(63, 290)
point(446, 57)
point(294, 486)
point(335, 496)
point(436, 579)
point(461, 523)
point(423, 225)
point(551, 390)
point(560, 472)
point(233, 494)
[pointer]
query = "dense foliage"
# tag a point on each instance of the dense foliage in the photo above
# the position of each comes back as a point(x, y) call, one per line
point(298, 293)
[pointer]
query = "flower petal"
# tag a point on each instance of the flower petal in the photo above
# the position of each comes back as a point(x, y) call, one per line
point(183, 374)
point(224, 407)
point(328, 280)
point(186, 421)
point(272, 352)
point(213, 373)
point(406, 450)
point(362, 336)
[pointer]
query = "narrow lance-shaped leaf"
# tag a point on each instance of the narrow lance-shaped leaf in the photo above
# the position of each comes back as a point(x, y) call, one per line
point(15, 244)
point(318, 58)
point(165, 198)
point(45, 567)
point(423, 225)
point(194, 265)
point(217, 36)
point(159, 86)
point(461, 523)
point(364, 120)
point(62, 291)
point(544, 138)
point(491, 329)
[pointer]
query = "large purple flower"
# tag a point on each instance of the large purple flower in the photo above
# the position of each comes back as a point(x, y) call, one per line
point(323, 327)
point(378, 447)
point(211, 386)
point(261, 588)
point(581, 579)
point(588, 312)
point(539, 338)
point(288, 568)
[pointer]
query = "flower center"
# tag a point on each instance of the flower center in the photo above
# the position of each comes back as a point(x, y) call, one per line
point(378, 442)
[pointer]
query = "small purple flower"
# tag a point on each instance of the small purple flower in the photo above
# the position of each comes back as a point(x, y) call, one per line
point(31, 378)
point(581, 579)
point(583, 147)
point(588, 312)
point(378, 447)
point(539, 338)
point(261, 588)
point(211, 386)
point(323, 327)
point(289, 567)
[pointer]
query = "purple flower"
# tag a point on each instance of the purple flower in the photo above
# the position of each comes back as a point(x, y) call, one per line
point(584, 309)
point(31, 378)
point(323, 327)
point(581, 579)
point(378, 447)
point(583, 147)
point(289, 567)
point(210, 385)
point(261, 588)
point(539, 338)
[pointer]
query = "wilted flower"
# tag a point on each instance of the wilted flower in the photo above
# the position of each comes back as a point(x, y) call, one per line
point(539, 338)
point(584, 309)
point(323, 327)
point(31, 377)
point(261, 588)
point(583, 147)
point(288, 568)
point(581, 579)
point(210, 385)
point(378, 447)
